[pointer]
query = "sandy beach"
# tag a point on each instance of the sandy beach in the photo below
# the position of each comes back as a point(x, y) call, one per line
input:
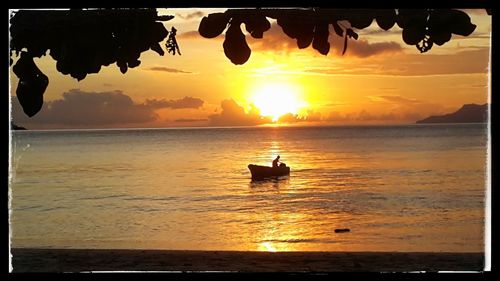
point(85, 260)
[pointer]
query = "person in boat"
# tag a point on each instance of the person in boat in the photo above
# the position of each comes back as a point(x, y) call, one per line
point(276, 161)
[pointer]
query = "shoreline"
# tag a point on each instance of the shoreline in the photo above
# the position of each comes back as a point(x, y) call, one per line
point(86, 260)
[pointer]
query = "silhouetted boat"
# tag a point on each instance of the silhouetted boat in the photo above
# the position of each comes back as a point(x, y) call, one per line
point(262, 172)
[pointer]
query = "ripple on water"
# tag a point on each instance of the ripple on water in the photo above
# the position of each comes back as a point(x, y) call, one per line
point(375, 181)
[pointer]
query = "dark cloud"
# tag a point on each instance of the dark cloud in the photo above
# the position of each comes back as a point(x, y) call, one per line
point(185, 102)
point(80, 109)
point(233, 114)
point(87, 109)
point(170, 70)
point(193, 15)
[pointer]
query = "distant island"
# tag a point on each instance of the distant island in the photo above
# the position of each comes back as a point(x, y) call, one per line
point(469, 113)
point(15, 127)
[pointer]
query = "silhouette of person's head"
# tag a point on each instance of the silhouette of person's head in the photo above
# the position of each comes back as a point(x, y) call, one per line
point(278, 157)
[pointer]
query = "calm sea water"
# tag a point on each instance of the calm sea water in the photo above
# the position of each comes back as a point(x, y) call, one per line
point(397, 188)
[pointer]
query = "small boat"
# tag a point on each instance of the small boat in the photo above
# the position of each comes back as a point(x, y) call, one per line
point(262, 172)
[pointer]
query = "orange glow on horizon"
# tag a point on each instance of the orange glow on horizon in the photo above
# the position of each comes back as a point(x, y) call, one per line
point(267, 246)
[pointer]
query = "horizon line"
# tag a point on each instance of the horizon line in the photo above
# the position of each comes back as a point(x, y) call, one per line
point(247, 127)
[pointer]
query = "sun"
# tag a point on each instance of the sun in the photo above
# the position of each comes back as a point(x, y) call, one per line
point(276, 99)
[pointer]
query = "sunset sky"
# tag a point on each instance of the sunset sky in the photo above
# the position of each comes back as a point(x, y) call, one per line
point(380, 80)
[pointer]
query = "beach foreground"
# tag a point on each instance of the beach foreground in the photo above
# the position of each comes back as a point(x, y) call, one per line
point(84, 260)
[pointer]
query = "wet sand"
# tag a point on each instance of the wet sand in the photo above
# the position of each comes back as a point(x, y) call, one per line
point(85, 260)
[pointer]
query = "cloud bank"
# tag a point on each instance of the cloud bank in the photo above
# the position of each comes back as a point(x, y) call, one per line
point(291, 118)
point(185, 102)
point(80, 109)
point(233, 114)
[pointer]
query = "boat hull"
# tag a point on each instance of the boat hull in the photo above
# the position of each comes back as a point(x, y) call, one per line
point(262, 172)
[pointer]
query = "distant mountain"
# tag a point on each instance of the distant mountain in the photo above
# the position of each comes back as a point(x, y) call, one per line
point(469, 113)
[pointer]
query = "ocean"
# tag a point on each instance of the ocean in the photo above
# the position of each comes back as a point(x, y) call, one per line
point(408, 188)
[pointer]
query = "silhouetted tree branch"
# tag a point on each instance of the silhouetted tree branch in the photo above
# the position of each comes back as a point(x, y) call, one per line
point(81, 41)
point(421, 28)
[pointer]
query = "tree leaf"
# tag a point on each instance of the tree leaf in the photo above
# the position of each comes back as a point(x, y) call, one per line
point(338, 30)
point(257, 25)
point(134, 63)
point(302, 31)
point(235, 45)
point(460, 23)
point(352, 34)
point(413, 33)
point(122, 65)
point(345, 44)
point(157, 48)
point(213, 25)
point(386, 18)
point(31, 86)
point(359, 18)
point(406, 16)
point(320, 40)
